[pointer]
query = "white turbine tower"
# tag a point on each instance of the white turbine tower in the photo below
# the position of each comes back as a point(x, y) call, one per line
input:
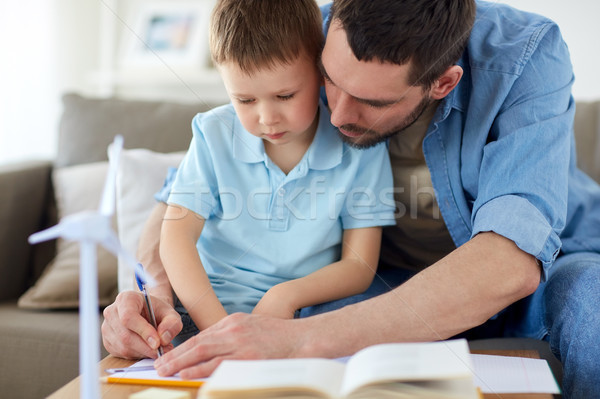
point(92, 228)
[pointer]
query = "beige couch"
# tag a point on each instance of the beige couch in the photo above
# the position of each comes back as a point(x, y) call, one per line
point(39, 338)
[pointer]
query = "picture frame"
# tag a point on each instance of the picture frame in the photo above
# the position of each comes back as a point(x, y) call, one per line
point(168, 33)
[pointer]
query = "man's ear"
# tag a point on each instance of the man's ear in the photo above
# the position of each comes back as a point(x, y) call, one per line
point(446, 83)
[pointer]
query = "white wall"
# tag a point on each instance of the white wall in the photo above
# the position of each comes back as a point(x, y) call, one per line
point(48, 48)
point(28, 71)
point(51, 46)
point(578, 20)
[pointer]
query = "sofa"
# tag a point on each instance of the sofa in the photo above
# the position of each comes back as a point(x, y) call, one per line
point(38, 284)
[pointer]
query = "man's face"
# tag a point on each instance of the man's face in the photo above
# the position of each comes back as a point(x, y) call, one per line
point(369, 101)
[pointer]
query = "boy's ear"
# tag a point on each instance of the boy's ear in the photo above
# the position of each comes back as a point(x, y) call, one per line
point(446, 83)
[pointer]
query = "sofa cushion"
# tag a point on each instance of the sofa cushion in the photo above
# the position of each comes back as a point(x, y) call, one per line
point(587, 138)
point(88, 126)
point(141, 174)
point(77, 188)
point(40, 351)
point(24, 191)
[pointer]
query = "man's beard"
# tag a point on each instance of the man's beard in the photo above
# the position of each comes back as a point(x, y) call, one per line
point(369, 137)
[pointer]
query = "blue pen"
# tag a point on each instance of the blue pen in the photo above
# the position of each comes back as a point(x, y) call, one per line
point(141, 282)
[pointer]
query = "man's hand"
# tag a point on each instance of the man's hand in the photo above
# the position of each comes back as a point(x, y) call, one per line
point(127, 333)
point(238, 336)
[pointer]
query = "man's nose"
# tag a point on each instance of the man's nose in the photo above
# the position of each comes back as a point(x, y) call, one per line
point(343, 108)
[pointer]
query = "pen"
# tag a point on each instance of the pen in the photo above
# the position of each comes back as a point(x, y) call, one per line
point(141, 282)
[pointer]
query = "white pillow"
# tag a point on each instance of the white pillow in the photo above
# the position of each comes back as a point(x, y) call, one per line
point(77, 188)
point(141, 174)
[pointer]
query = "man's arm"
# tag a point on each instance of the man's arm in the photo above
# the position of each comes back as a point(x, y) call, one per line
point(149, 254)
point(126, 331)
point(459, 292)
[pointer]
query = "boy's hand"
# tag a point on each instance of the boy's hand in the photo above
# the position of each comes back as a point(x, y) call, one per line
point(127, 333)
point(277, 302)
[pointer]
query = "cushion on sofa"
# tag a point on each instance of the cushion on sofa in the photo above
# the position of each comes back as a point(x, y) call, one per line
point(587, 137)
point(77, 188)
point(141, 174)
point(39, 351)
point(88, 126)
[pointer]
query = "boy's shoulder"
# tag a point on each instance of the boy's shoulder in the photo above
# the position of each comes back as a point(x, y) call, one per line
point(217, 119)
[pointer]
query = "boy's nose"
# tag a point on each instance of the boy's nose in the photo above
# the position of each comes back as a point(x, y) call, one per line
point(269, 117)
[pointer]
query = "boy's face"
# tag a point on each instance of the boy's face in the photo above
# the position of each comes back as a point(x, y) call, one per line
point(279, 104)
point(369, 100)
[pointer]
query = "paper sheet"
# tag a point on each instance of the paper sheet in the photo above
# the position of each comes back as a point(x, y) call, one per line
point(147, 374)
point(506, 374)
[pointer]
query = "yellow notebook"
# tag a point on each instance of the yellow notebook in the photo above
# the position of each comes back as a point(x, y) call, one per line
point(440, 370)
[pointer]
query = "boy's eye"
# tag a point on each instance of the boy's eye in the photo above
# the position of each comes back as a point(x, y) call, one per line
point(245, 100)
point(286, 97)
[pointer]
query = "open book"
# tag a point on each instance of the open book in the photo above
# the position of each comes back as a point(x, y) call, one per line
point(440, 370)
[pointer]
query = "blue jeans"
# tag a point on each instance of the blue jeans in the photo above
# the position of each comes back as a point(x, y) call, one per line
point(564, 311)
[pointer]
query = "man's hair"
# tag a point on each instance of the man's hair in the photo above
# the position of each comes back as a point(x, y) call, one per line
point(264, 33)
point(432, 34)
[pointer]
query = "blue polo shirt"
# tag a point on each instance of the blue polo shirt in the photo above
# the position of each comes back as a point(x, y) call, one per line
point(264, 227)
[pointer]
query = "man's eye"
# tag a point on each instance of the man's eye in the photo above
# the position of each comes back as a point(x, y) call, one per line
point(286, 97)
point(377, 106)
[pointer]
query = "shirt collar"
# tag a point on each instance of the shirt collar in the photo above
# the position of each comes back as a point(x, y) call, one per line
point(246, 146)
point(325, 152)
point(327, 148)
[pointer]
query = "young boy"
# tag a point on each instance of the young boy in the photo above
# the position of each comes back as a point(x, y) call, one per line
point(270, 211)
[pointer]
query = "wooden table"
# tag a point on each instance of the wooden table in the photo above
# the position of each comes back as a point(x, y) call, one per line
point(122, 391)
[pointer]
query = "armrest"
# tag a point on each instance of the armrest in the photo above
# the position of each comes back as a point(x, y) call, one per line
point(25, 189)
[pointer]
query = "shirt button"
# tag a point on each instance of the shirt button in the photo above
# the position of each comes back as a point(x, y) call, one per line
point(281, 192)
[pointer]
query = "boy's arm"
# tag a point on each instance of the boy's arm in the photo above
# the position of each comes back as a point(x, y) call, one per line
point(351, 275)
point(181, 230)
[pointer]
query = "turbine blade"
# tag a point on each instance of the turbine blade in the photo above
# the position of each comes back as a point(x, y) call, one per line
point(113, 245)
point(45, 235)
point(107, 204)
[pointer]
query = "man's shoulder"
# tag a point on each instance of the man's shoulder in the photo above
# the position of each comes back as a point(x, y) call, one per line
point(503, 38)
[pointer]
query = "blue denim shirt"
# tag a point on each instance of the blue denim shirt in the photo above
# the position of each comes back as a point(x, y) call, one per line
point(501, 148)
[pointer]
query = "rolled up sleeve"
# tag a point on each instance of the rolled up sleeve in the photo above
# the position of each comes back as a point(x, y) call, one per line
point(523, 184)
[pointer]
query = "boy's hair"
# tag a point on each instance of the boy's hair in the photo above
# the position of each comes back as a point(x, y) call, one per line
point(431, 33)
point(264, 33)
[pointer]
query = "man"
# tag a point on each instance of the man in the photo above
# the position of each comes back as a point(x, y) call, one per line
point(498, 233)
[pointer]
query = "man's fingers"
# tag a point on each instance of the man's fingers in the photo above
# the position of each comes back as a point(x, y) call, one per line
point(132, 314)
point(169, 324)
point(192, 352)
point(125, 330)
point(119, 341)
point(201, 370)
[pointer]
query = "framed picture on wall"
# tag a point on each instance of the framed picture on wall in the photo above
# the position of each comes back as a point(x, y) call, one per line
point(168, 33)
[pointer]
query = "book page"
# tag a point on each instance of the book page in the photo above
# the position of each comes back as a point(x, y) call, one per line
point(408, 362)
point(276, 375)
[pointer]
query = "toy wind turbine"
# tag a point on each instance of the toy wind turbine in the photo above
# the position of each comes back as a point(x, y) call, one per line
point(92, 228)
